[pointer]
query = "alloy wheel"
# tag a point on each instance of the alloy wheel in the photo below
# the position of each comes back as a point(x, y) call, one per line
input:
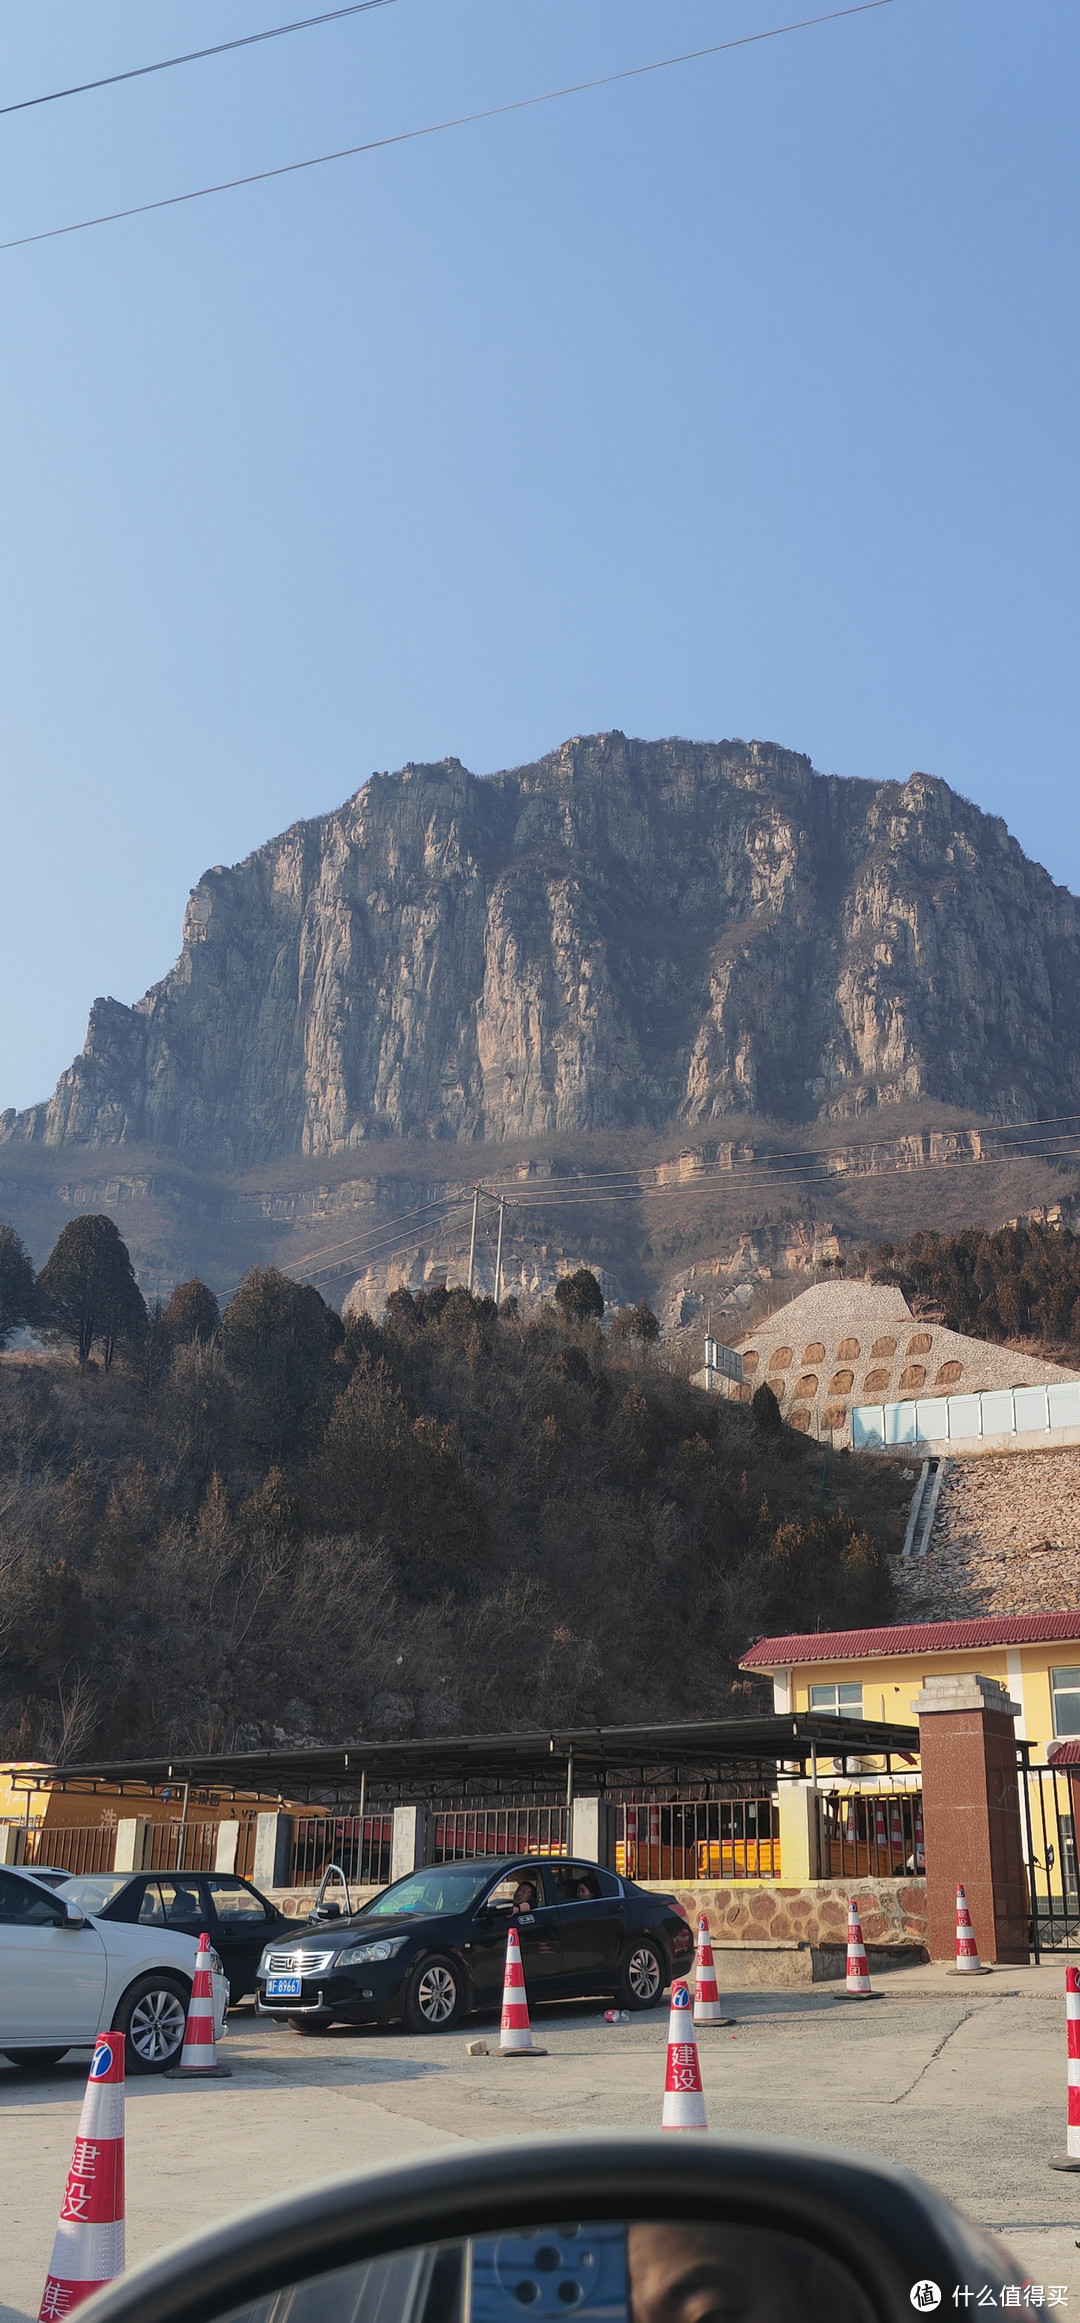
point(157, 2024)
point(643, 1973)
point(436, 1994)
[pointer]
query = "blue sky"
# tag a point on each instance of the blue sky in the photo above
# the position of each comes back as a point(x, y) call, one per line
point(735, 400)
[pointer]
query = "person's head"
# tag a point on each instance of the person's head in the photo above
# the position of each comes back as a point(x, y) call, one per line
point(734, 2274)
point(584, 1889)
point(525, 1896)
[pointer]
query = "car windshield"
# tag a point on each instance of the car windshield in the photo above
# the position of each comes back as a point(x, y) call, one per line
point(444, 1888)
point(92, 1895)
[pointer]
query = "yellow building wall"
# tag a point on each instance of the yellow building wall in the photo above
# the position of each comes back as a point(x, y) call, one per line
point(891, 1683)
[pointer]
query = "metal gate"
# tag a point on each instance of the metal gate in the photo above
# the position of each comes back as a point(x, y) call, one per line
point(1050, 1835)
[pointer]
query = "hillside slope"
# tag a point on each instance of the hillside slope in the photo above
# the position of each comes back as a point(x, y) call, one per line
point(454, 1519)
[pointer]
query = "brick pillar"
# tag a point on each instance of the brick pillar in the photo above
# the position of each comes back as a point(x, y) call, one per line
point(409, 1845)
point(273, 1850)
point(590, 1821)
point(132, 1832)
point(971, 1816)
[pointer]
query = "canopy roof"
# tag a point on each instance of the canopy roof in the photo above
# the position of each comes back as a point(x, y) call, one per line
point(591, 1758)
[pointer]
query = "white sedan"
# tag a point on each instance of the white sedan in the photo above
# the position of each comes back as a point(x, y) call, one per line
point(65, 1978)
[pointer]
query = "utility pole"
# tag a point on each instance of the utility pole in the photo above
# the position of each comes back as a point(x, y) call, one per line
point(472, 1237)
point(498, 1253)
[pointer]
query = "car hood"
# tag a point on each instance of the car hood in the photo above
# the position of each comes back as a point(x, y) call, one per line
point(152, 1943)
point(341, 1935)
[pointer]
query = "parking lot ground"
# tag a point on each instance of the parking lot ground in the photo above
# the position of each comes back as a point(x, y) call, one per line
point(962, 2081)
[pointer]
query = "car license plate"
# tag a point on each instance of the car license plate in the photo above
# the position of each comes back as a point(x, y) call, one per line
point(283, 1988)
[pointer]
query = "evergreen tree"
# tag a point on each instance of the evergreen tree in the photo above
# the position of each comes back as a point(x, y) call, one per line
point(16, 1284)
point(88, 1289)
point(578, 1296)
point(192, 1313)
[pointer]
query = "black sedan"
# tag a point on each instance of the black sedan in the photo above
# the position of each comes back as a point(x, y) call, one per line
point(433, 1946)
point(237, 1919)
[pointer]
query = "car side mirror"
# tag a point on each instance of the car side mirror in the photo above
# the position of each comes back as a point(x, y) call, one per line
point(327, 1912)
point(794, 2230)
point(73, 1918)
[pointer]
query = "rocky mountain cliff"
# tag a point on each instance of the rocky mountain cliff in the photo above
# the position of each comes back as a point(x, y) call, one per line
point(623, 934)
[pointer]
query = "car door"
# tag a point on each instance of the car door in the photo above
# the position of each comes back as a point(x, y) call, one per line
point(242, 1924)
point(52, 1976)
point(591, 1911)
point(538, 1936)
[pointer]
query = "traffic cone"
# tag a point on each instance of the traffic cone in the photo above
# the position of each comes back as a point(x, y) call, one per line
point(857, 1986)
point(89, 2246)
point(515, 2037)
point(968, 1962)
point(684, 2098)
point(1070, 2159)
point(708, 2007)
point(198, 2058)
point(896, 1833)
point(881, 1840)
point(920, 1845)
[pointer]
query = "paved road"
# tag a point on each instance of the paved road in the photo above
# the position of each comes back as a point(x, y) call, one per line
point(963, 2083)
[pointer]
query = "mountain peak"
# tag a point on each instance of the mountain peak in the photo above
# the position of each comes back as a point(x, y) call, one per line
point(622, 934)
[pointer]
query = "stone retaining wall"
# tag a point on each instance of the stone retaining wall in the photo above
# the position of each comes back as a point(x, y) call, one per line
point(893, 1913)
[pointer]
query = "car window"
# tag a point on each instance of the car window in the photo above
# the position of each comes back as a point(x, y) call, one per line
point(182, 1904)
point(24, 1905)
point(151, 1908)
point(447, 1887)
point(93, 1894)
point(520, 1891)
point(236, 1905)
point(581, 1883)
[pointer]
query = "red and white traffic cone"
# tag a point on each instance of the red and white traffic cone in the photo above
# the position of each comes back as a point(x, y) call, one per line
point(920, 1846)
point(857, 1984)
point(881, 1837)
point(1070, 2159)
point(684, 2098)
point(515, 2036)
point(89, 2246)
point(708, 2006)
point(896, 1830)
point(968, 1962)
point(198, 2058)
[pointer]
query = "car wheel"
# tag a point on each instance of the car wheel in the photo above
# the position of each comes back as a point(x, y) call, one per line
point(152, 2017)
point(35, 2056)
point(435, 1999)
point(311, 2024)
point(644, 1975)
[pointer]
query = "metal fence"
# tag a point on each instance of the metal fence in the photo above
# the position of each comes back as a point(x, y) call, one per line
point(694, 1839)
point(91, 1847)
point(872, 1835)
point(458, 1833)
point(1053, 1885)
point(362, 1845)
point(181, 1847)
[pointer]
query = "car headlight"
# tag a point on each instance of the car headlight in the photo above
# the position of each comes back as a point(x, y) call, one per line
point(360, 1954)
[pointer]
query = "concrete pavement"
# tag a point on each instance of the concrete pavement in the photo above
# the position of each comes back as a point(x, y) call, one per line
point(962, 2080)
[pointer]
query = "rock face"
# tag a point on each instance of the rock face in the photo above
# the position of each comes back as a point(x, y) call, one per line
point(623, 934)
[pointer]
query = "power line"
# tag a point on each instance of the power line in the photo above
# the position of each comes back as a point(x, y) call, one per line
point(434, 128)
point(587, 1189)
point(195, 56)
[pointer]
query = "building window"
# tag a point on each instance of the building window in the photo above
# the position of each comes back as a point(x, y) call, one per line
point(846, 1701)
point(1065, 1695)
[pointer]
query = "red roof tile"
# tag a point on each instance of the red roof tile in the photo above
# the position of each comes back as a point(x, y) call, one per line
point(915, 1637)
point(1064, 1753)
